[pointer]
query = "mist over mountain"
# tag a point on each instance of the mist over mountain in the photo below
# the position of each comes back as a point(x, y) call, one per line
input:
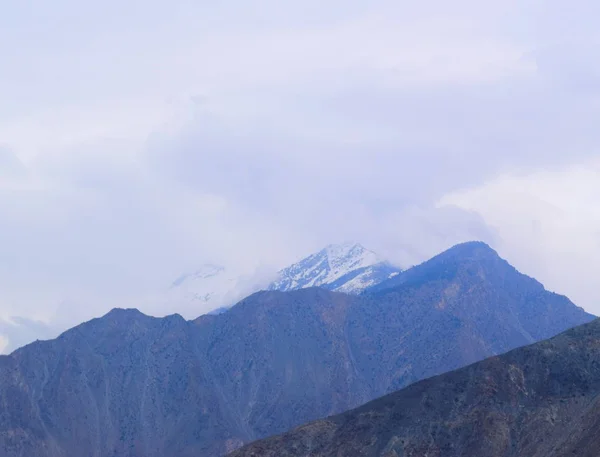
point(346, 267)
point(131, 385)
point(214, 288)
point(209, 288)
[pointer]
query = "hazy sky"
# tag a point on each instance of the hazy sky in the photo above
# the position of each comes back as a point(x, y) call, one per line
point(139, 140)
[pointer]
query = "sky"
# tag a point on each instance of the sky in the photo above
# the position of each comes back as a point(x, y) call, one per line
point(139, 140)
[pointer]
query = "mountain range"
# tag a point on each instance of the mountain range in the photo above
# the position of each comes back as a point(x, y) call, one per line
point(538, 401)
point(132, 385)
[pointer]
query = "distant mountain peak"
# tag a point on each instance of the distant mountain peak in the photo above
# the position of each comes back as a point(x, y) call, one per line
point(340, 249)
point(346, 267)
point(473, 257)
point(209, 287)
point(354, 253)
point(208, 270)
point(469, 249)
point(124, 312)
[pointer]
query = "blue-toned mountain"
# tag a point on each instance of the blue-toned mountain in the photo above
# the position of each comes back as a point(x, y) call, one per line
point(132, 385)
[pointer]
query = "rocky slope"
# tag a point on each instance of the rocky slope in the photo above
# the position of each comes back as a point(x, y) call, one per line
point(132, 385)
point(539, 401)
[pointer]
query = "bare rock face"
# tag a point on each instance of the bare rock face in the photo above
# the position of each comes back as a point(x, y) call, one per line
point(130, 385)
point(537, 401)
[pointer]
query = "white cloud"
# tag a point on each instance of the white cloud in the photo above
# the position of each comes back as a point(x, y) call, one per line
point(142, 139)
point(548, 224)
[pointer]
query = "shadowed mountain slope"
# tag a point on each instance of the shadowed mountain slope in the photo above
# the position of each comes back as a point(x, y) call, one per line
point(537, 401)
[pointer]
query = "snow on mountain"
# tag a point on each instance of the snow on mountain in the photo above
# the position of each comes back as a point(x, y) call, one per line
point(212, 288)
point(347, 267)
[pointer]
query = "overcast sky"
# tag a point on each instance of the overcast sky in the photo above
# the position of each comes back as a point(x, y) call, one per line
point(141, 139)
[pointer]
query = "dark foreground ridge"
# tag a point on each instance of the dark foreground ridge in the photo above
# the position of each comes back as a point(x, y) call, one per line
point(130, 385)
point(537, 401)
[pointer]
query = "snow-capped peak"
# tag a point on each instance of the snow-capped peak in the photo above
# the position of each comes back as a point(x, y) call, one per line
point(347, 267)
point(209, 287)
point(346, 257)
point(206, 271)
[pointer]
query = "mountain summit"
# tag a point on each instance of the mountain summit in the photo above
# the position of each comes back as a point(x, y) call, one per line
point(347, 267)
point(459, 259)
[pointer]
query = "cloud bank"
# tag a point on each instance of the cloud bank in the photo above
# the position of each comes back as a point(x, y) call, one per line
point(139, 141)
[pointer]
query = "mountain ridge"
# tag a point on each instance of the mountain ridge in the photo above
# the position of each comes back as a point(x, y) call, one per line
point(347, 267)
point(137, 386)
point(540, 400)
